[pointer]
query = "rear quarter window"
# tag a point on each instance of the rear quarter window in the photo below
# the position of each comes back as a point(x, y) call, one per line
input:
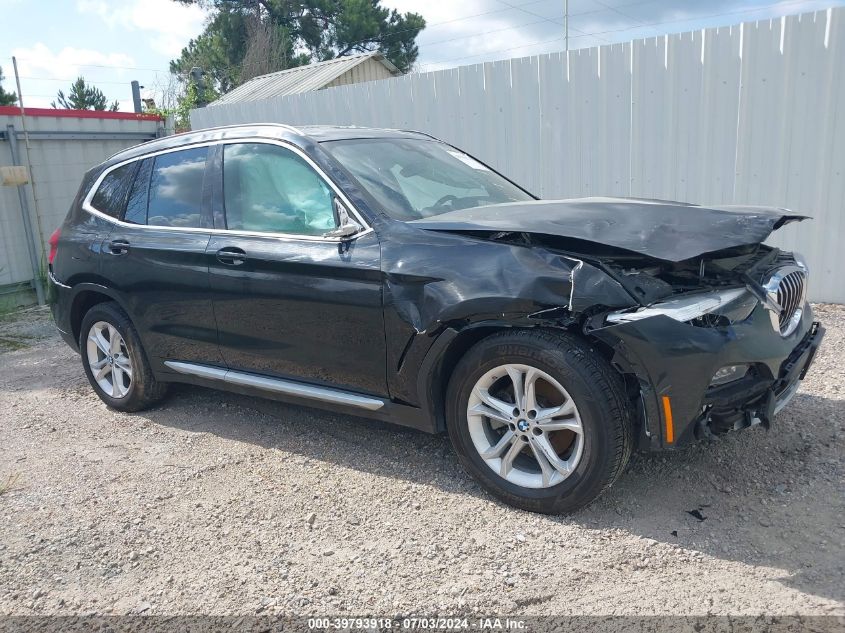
point(136, 205)
point(110, 197)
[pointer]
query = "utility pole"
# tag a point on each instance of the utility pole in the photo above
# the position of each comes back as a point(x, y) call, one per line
point(566, 23)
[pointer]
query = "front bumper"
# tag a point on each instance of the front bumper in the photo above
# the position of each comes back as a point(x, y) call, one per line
point(674, 364)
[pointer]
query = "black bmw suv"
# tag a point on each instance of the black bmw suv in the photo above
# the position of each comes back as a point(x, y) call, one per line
point(387, 274)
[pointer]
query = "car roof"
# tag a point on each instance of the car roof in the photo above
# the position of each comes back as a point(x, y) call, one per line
point(299, 135)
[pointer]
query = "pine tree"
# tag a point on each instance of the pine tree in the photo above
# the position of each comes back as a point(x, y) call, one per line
point(83, 96)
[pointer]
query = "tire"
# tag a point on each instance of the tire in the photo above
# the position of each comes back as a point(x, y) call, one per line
point(596, 454)
point(137, 392)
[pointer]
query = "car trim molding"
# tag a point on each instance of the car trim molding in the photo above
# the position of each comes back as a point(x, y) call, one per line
point(277, 385)
point(53, 279)
point(366, 228)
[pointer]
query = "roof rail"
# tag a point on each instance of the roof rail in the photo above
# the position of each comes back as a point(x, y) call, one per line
point(233, 125)
point(431, 136)
point(290, 128)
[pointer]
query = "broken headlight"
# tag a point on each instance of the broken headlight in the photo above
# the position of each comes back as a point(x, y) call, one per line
point(732, 306)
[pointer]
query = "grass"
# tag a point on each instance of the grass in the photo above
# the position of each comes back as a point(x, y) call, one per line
point(14, 322)
point(13, 344)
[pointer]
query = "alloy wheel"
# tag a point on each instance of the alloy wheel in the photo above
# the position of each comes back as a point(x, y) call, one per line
point(109, 359)
point(525, 426)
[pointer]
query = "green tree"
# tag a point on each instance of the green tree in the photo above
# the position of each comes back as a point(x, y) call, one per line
point(83, 96)
point(178, 97)
point(246, 38)
point(6, 98)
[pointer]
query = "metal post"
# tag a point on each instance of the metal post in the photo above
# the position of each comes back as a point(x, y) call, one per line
point(34, 257)
point(136, 97)
point(198, 78)
point(38, 226)
point(566, 23)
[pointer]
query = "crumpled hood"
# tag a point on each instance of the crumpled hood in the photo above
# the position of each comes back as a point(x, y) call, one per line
point(672, 231)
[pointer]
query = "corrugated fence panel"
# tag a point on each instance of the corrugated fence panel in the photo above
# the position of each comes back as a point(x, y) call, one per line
point(445, 109)
point(712, 181)
point(684, 134)
point(422, 94)
point(578, 113)
point(744, 114)
point(826, 235)
point(14, 259)
point(497, 82)
point(553, 124)
point(650, 120)
point(523, 122)
point(789, 137)
point(472, 126)
point(610, 158)
point(58, 165)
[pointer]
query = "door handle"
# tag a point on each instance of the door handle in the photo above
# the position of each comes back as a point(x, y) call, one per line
point(119, 247)
point(231, 256)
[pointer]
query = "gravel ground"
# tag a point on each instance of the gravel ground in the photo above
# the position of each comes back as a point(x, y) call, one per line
point(222, 504)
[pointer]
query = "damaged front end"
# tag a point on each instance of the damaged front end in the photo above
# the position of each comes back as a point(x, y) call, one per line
point(721, 345)
point(708, 326)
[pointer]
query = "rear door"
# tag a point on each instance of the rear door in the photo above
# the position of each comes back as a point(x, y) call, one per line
point(290, 302)
point(156, 257)
point(83, 237)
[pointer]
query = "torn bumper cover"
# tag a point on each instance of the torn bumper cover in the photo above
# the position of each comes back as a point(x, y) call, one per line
point(675, 364)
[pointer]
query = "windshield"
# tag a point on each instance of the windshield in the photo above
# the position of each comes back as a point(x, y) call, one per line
point(417, 178)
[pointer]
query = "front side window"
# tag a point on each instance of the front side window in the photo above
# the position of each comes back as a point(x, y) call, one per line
point(416, 178)
point(110, 197)
point(175, 195)
point(267, 188)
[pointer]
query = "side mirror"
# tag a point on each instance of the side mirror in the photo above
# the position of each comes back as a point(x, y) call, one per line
point(346, 226)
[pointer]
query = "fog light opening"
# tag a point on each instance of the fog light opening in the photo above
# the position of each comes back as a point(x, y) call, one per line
point(728, 373)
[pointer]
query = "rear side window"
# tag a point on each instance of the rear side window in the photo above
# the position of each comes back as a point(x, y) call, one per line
point(175, 197)
point(110, 197)
point(136, 205)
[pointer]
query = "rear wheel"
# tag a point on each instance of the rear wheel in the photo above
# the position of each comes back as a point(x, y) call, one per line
point(114, 360)
point(540, 419)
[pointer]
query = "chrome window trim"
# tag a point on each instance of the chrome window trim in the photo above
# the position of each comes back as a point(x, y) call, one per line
point(87, 206)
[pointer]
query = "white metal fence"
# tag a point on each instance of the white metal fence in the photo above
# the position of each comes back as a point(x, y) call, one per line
point(744, 114)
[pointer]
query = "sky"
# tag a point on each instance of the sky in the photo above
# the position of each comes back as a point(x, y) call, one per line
point(112, 42)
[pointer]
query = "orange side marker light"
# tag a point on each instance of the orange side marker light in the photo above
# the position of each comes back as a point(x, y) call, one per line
point(667, 416)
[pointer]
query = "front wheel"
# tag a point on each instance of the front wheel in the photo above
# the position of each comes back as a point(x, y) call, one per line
point(540, 419)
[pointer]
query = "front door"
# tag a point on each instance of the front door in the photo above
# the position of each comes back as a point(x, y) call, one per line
point(288, 301)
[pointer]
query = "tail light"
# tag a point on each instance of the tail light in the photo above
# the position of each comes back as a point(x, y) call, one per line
point(54, 245)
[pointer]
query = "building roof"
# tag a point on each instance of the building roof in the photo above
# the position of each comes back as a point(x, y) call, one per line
point(300, 79)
